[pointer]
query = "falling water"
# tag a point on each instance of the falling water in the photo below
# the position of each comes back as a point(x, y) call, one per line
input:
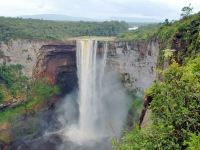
point(101, 98)
point(102, 104)
point(103, 65)
point(92, 122)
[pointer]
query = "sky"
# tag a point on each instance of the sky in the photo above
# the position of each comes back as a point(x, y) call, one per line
point(99, 9)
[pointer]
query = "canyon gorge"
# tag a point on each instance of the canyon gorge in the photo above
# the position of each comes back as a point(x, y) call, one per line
point(132, 64)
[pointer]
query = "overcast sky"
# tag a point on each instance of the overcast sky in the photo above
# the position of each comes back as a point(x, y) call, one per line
point(99, 9)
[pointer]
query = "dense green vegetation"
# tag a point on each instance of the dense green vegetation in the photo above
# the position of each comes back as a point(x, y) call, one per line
point(175, 111)
point(182, 35)
point(185, 28)
point(30, 98)
point(142, 33)
point(56, 30)
point(12, 80)
point(135, 109)
point(30, 93)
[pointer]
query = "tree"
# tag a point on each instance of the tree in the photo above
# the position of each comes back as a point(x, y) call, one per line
point(175, 112)
point(186, 11)
point(166, 22)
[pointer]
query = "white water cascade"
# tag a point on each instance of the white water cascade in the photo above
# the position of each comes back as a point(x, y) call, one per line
point(101, 98)
point(90, 74)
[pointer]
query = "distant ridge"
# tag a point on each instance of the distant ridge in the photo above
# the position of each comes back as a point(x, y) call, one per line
point(58, 17)
point(129, 19)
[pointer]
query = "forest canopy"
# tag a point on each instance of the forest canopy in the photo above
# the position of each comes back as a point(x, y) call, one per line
point(56, 30)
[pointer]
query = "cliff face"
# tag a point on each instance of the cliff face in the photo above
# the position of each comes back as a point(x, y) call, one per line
point(54, 59)
point(39, 58)
point(23, 52)
point(135, 62)
point(58, 62)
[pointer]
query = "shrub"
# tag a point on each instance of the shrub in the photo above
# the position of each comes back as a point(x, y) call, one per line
point(175, 111)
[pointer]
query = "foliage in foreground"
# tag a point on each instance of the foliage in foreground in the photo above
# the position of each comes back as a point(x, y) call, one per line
point(182, 35)
point(175, 112)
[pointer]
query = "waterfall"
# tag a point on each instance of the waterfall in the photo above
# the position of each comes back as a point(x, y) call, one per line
point(103, 65)
point(102, 101)
point(92, 121)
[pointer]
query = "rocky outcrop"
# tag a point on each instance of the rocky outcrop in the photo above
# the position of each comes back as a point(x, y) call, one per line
point(54, 59)
point(135, 62)
point(145, 114)
point(39, 58)
point(23, 52)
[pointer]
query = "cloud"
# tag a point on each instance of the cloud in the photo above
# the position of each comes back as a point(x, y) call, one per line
point(107, 8)
point(98, 9)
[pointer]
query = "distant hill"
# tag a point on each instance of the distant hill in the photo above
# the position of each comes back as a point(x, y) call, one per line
point(58, 17)
point(129, 19)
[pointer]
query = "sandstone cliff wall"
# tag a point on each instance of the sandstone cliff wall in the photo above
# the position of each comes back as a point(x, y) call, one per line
point(39, 58)
point(135, 62)
point(23, 52)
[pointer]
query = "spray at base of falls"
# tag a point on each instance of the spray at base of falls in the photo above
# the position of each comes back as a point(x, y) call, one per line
point(96, 98)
